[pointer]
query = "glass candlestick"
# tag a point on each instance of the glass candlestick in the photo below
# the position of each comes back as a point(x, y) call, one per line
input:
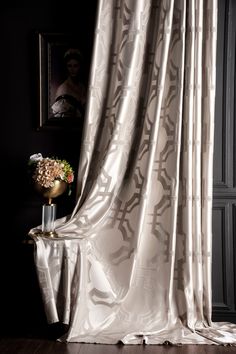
point(48, 220)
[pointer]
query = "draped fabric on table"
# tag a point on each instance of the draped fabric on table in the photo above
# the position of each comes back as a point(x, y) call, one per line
point(133, 262)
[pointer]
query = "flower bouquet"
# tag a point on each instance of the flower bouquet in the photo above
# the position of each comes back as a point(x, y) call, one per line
point(47, 170)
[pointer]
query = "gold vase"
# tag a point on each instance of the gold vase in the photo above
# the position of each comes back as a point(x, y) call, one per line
point(57, 189)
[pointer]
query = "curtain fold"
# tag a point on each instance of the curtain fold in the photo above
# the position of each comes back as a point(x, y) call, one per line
point(141, 228)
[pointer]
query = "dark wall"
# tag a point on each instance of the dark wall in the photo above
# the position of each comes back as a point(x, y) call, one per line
point(224, 205)
point(20, 138)
point(19, 111)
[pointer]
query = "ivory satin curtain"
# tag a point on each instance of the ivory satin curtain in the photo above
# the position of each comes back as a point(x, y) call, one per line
point(133, 261)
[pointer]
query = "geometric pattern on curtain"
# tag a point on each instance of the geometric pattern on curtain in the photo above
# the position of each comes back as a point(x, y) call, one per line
point(133, 262)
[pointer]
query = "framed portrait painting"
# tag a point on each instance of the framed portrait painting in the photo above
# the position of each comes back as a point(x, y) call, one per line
point(62, 81)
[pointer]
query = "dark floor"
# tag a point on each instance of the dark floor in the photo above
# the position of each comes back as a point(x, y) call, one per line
point(49, 346)
point(42, 340)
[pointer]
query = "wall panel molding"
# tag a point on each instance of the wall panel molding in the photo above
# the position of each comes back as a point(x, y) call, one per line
point(224, 175)
point(223, 275)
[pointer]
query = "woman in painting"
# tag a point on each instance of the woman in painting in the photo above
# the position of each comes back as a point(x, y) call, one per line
point(71, 94)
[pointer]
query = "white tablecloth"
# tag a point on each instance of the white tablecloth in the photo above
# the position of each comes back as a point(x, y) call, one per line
point(58, 265)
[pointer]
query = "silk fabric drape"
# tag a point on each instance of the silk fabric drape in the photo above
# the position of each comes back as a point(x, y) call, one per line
point(134, 260)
